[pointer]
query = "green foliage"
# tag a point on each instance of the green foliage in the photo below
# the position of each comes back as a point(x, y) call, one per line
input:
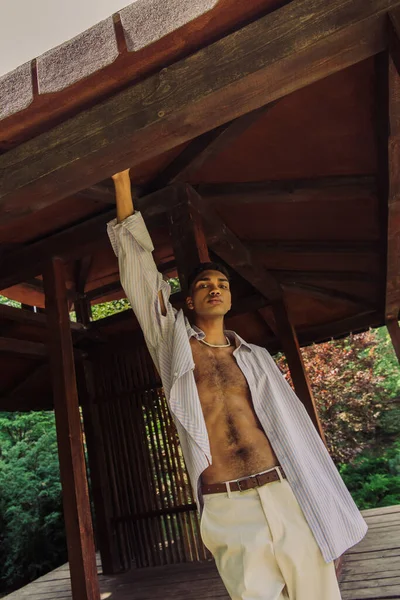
point(8, 302)
point(348, 392)
point(32, 538)
point(106, 309)
point(374, 480)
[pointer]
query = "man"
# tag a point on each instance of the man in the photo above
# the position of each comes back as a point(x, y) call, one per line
point(274, 509)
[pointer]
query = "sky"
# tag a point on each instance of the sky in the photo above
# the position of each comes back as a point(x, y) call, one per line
point(30, 27)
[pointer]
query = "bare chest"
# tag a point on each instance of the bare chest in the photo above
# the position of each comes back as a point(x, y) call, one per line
point(216, 370)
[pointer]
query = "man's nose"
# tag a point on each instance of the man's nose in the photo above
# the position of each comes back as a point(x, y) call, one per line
point(215, 291)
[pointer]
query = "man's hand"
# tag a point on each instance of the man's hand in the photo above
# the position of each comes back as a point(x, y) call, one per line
point(123, 195)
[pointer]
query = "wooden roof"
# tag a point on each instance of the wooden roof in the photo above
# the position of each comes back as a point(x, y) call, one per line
point(276, 114)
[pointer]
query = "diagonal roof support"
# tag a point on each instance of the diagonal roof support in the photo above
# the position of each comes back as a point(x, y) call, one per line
point(228, 246)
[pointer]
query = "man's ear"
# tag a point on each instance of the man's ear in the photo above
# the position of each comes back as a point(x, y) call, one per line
point(189, 303)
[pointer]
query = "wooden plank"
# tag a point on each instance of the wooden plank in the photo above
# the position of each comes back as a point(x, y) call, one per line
point(394, 332)
point(78, 522)
point(188, 237)
point(383, 510)
point(265, 60)
point(291, 348)
point(322, 189)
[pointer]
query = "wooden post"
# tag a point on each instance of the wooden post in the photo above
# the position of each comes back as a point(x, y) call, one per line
point(394, 332)
point(187, 233)
point(291, 348)
point(100, 482)
point(83, 309)
point(78, 521)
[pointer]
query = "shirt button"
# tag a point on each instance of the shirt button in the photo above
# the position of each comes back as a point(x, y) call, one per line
point(176, 374)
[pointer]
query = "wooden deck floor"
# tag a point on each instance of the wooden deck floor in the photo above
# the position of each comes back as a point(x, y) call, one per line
point(371, 570)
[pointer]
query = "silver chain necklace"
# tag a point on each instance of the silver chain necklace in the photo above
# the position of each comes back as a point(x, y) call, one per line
point(216, 345)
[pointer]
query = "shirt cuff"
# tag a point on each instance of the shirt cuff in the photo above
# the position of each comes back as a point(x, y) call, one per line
point(136, 226)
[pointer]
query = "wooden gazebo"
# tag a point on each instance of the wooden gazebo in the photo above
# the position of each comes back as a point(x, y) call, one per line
point(266, 134)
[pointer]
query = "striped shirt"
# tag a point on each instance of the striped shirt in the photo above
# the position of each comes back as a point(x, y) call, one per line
point(321, 493)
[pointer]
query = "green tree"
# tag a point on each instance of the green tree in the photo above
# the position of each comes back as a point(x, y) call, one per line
point(32, 538)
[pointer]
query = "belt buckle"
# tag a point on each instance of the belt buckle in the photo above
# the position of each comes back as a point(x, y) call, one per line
point(239, 486)
point(252, 477)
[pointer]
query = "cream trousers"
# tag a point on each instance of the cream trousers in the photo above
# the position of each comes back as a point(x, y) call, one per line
point(263, 546)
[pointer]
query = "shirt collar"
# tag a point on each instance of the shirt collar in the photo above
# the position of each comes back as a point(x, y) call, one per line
point(196, 332)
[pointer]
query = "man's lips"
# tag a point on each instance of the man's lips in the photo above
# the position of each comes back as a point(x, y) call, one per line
point(215, 301)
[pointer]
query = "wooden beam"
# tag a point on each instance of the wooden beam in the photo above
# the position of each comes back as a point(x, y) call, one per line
point(204, 147)
point(187, 234)
point(317, 291)
point(323, 189)
point(394, 36)
point(29, 349)
point(291, 348)
point(288, 276)
point(226, 245)
point(76, 241)
point(82, 303)
point(394, 332)
point(23, 348)
point(26, 403)
point(315, 247)
point(27, 317)
point(355, 323)
point(392, 305)
point(78, 522)
point(30, 381)
point(106, 534)
point(279, 53)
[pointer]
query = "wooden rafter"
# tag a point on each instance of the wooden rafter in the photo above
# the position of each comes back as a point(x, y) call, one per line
point(313, 247)
point(187, 234)
point(29, 381)
point(269, 58)
point(289, 276)
point(36, 350)
point(318, 291)
point(323, 189)
point(226, 245)
point(203, 148)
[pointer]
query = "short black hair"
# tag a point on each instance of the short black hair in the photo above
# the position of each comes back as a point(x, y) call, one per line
point(207, 266)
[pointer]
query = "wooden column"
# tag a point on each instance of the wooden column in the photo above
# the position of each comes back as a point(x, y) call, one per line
point(394, 332)
point(83, 309)
point(78, 521)
point(100, 483)
point(187, 233)
point(294, 358)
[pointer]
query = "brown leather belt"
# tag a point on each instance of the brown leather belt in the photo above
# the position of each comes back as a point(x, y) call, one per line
point(241, 485)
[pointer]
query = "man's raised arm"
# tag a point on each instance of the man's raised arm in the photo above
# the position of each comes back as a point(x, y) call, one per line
point(145, 288)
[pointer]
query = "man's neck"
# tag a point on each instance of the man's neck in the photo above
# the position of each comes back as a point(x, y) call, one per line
point(213, 329)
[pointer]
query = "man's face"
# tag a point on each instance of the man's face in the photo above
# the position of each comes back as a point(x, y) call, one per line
point(210, 294)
